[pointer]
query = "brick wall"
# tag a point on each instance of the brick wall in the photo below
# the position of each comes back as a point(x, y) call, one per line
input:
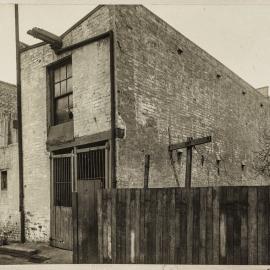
point(165, 96)
point(9, 198)
point(90, 69)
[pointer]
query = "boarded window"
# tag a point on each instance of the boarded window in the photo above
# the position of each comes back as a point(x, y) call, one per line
point(3, 180)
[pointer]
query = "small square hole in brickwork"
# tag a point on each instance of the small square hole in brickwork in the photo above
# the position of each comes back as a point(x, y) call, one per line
point(3, 180)
point(218, 76)
point(179, 51)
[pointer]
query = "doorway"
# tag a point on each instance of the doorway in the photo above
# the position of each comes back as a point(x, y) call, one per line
point(74, 170)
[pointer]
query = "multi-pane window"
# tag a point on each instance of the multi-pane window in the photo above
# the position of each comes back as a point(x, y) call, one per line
point(63, 95)
point(3, 180)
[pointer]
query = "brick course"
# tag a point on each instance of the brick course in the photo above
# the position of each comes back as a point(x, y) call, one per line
point(165, 97)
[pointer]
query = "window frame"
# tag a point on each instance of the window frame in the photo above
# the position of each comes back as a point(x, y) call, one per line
point(51, 70)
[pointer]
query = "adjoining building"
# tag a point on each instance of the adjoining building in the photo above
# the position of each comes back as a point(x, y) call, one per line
point(123, 85)
point(9, 188)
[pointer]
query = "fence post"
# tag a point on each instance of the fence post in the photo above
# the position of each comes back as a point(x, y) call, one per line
point(146, 170)
point(75, 226)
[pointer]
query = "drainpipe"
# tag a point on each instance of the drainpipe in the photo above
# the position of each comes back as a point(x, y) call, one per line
point(113, 112)
point(19, 115)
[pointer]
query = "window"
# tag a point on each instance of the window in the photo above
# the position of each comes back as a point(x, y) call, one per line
point(3, 180)
point(62, 93)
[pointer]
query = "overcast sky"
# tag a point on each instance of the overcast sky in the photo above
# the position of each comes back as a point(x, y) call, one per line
point(238, 36)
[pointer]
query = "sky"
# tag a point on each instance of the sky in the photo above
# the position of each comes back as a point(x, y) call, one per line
point(236, 35)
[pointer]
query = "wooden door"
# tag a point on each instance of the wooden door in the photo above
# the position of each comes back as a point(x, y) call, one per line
point(92, 173)
point(61, 201)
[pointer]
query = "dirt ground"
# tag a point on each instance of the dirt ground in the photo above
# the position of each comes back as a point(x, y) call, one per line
point(54, 255)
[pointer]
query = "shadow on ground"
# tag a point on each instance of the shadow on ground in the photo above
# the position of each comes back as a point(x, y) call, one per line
point(46, 255)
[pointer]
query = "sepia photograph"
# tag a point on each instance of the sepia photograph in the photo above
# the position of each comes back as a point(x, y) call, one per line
point(135, 133)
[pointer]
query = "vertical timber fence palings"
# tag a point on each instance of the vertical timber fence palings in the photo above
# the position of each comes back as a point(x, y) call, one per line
point(212, 225)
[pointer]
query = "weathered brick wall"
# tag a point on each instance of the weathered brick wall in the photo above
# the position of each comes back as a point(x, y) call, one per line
point(90, 97)
point(165, 96)
point(91, 84)
point(9, 198)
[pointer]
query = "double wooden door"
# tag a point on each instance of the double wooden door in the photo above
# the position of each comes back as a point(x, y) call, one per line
point(67, 170)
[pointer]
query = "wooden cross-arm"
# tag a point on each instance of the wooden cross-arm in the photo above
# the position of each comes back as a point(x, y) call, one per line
point(190, 143)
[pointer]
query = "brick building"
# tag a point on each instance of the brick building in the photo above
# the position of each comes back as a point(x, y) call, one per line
point(9, 190)
point(125, 84)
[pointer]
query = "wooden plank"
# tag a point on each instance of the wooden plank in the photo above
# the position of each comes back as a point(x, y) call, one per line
point(87, 216)
point(132, 234)
point(152, 227)
point(202, 222)
point(209, 226)
point(147, 226)
point(52, 226)
point(237, 226)
point(244, 225)
point(109, 226)
point(105, 225)
point(127, 227)
point(83, 222)
point(191, 142)
point(223, 227)
point(159, 226)
point(70, 230)
point(137, 226)
point(263, 207)
point(189, 226)
point(230, 225)
point(171, 225)
point(93, 245)
point(113, 230)
point(216, 224)
point(165, 234)
point(100, 225)
point(75, 226)
point(196, 226)
point(120, 230)
point(142, 215)
point(252, 226)
point(177, 226)
point(123, 225)
point(58, 226)
point(183, 225)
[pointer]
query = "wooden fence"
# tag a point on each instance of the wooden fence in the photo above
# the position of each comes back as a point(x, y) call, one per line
point(224, 225)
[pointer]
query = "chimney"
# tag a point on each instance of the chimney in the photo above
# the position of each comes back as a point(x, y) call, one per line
point(264, 91)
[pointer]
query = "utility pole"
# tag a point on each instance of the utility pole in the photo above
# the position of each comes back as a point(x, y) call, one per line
point(19, 115)
point(189, 144)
